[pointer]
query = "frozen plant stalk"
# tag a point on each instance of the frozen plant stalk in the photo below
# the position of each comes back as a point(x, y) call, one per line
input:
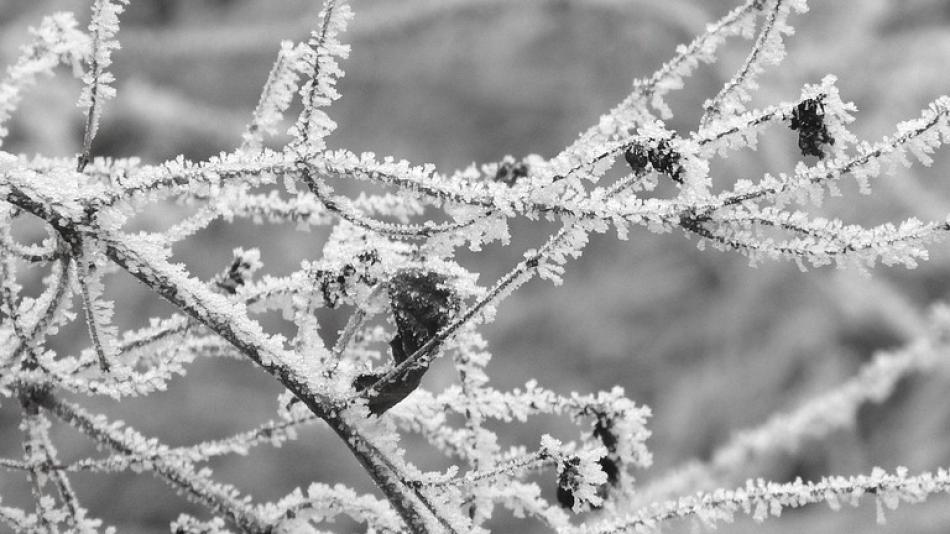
point(389, 264)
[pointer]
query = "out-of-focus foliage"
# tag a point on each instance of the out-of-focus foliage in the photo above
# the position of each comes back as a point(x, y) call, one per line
point(711, 345)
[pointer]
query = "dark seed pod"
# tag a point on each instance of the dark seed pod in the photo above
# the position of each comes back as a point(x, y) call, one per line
point(336, 284)
point(666, 160)
point(612, 470)
point(637, 157)
point(234, 277)
point(604, 432)
point(422, 304)
point(565, 497)
point(661, 158)
point(566, 483)
point(238, 274)
point(510, 171)
point(809, 119)
point(330, 287)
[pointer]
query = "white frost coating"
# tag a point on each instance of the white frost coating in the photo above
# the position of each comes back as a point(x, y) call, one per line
point(282, 83)
point(319, 60)
point(56, 40)
point(764, 500)
point(390, 262)
point(98, 79)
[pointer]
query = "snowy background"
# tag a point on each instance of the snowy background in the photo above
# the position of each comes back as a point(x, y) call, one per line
point(712, 345)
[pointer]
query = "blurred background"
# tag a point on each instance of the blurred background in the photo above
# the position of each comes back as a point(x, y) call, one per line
point(712, 345)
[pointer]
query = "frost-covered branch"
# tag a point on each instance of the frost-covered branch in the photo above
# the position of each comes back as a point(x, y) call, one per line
point(761, 499)
point(390, 259)
point(218, 497)
point(767, 50)
point(97, 79)
point(56, 40)
point(815, 418)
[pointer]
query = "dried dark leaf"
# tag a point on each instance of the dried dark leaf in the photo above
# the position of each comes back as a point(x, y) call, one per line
point(422, 303)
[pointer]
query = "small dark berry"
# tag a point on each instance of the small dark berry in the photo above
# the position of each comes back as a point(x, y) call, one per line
point(370, 257)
